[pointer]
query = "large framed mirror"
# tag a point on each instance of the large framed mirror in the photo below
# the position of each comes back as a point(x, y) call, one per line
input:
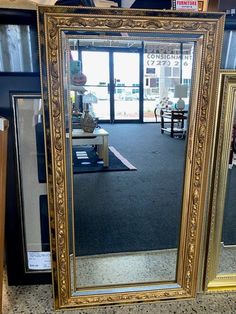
point(221, 259)
point(129, 232)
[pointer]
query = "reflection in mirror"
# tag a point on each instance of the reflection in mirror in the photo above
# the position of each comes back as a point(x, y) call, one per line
point(228, 50)
point(31, 166)
point(227, 259)
point(127, 177)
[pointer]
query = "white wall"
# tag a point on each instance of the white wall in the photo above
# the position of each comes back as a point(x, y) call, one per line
point(127, 3)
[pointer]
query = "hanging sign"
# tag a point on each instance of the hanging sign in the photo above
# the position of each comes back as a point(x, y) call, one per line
point(186, 5)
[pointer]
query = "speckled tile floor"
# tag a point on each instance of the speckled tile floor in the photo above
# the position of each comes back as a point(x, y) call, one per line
point(227, 263)
point(37, 299)
point(121, 268)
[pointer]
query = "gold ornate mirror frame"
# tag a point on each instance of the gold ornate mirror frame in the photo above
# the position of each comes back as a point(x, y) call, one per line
point(206, 30)
point(216, 281)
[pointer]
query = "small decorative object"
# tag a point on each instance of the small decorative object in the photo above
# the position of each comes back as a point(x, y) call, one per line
point(164, 102)
point(88, 122)
point(181, 91)
point(76, 75)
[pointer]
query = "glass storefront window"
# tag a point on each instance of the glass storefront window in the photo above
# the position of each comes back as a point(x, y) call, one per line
point(165, 66)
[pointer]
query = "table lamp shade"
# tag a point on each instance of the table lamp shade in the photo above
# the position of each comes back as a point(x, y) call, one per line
point(89, 99)
point(181, 91)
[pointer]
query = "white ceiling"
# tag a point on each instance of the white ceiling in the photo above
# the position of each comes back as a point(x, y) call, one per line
point(24, 4)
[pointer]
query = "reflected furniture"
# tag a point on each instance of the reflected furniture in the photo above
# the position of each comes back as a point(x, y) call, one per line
point(174, 122)
point(99, 137)
point(3, 173)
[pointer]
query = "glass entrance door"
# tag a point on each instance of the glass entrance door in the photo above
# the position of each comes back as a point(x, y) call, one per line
point(95, 65)
point(126, 85)
point(114, 78)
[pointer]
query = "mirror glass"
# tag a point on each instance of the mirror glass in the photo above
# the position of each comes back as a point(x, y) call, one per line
point(29, 134)
point(125, 176)
point(227, 259)
point(228, 60)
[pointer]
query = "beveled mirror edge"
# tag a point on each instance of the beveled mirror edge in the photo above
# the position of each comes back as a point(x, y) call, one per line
point(212, 32)
point(198, 42)
point(226, 99)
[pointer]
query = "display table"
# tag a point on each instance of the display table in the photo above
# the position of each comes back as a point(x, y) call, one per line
point(99, 137)
point(175, 119)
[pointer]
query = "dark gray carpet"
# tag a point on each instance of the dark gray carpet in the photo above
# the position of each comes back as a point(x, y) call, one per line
point(133, 210)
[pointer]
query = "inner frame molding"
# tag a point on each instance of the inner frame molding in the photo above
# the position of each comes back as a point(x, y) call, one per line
point(207, 32)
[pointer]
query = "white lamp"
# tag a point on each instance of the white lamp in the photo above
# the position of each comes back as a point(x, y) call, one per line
point(89, 99)
point(181, 91)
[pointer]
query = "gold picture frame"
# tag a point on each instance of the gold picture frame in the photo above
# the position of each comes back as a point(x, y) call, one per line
point(215, 281)
point(206, 30)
